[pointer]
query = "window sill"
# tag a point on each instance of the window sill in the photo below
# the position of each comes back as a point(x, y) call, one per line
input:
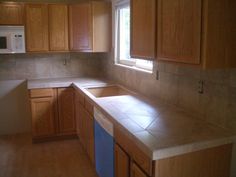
point(133, 68)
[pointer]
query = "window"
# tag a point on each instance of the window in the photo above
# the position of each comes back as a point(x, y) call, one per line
point(122, 39)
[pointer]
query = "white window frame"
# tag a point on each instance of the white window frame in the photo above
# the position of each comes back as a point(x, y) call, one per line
point(133, 62)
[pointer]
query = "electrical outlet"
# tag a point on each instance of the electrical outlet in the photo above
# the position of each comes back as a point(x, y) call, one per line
point(201, 87)
point(157, 75)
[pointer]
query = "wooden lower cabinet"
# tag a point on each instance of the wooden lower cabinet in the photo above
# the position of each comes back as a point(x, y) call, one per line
point(43, 117)
point(89, 135)
point(211, 162)
point(85, 126)
point(66, 110)
point(121, 162)
point(53, 113)
point(136, 171)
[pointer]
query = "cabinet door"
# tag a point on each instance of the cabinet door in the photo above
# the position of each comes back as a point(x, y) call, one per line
point(179, 30)
point(89, 124)
point(121, 162)
point(66, 109)
point(58, 27)
point(11, 14)
point(78, 114)
point(136, 171)
point(80, 21)
point(143, 29)
point(37, 27)
point(43, 116)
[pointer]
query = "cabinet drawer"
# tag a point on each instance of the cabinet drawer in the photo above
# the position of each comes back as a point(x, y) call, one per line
point(134, 151)
point(88, 106)
point(36, 93)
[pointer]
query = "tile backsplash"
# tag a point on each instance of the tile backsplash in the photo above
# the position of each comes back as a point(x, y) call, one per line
point(179, 85)
point(35, 66)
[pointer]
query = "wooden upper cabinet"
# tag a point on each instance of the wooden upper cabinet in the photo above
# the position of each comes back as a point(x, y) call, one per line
point(80, 26)
point(179, 30)
point(89, 24)
point(121, 163)
point(37, 27)
point(219, 34)
point(43, 116)
point(11, 14)
point(66, 109)
point(58, 27)
point(143, 29)
point(136, 171)
point(101, 26)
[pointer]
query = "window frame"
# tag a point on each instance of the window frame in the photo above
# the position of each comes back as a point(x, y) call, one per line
point(132, 62)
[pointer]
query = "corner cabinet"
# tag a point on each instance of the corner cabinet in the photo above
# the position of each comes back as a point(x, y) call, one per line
point(11, 13)
point(143, 29)
point(53, 113)
point(90, 26)
point(37, 28)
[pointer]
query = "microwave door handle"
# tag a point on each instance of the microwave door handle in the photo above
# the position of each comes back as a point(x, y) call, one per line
point(9, 43)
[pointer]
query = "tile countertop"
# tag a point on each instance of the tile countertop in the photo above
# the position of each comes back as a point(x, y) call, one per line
point(65, 82)
point(160, 130)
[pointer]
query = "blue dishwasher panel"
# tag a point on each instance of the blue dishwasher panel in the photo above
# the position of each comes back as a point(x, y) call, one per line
point(104, 152)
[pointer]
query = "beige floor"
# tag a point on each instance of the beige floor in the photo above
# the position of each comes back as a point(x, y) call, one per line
point(20, 158)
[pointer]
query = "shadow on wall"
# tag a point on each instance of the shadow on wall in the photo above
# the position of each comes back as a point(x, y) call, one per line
point(14, 107)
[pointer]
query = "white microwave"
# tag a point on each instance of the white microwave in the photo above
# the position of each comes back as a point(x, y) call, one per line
point(12, 39)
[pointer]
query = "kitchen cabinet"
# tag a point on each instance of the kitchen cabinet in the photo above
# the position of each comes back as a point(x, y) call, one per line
point(43, 112)
point(85, 125)
point(53, 113)
point(133, 151)
point(66, 110)
point(179, 30)
point(136, 171)
point(143, 29)
point(37, 28)
point(121, 162)
point(43, 116)
point(129, 157)
point(196, 32)
point(11, 14)
point(90, 26)
point(58, 27)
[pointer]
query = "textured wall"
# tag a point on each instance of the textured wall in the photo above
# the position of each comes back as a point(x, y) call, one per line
point(34, 66)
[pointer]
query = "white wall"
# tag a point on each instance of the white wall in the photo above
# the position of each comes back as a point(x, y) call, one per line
point(14, 107)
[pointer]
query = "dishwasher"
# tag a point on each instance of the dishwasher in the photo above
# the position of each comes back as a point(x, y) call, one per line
point(104, 145)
